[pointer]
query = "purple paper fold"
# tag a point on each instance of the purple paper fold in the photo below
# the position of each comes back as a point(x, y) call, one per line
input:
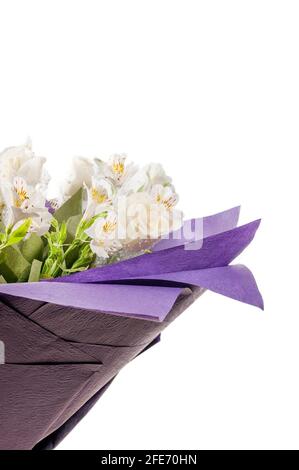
point(236, 282)
point(217, 250)
point(201, 228)
point(206, 266)
point(153, 302)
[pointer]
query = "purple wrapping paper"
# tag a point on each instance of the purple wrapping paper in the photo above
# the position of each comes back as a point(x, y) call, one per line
point(216, 251)
point(67, 339)
point(177, 265)
point(207, 226)
point(58, 362)
point(118, 299)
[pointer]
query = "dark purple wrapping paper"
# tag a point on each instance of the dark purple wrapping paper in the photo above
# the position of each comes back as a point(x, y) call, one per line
point(47, 380)
point(65, 341)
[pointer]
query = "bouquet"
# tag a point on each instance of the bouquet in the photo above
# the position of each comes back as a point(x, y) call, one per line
point(90, 279)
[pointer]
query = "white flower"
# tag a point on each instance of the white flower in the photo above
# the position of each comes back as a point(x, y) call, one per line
point(136, 183)
point(117, 169)
point(2, 206)
point(23, 182)
point(103, 233)
point(147, 218)
point(23, 201)
point(144, 179)
point(99, 197)
point(21, 161)
point(80, 174)
point(134, 216)
point(164, 195)
point(165, 199)
point(40, 222)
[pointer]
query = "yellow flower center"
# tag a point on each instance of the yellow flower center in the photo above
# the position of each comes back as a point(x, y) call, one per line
point(109, 226)
point(98, 196)
point(118, 168)
point(22, 195)
point(169, 203)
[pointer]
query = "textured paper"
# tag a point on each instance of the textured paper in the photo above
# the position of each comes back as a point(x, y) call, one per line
point(51, 374)
point(66, 340)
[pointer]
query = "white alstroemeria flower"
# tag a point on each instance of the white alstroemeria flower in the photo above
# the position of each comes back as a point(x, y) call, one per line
point(24, 181)
point(103, 233)
point(99, 197)
point(117, 169)
point(81, 173)
point(2, 203)
point(165, 199)
point(6, 214)
point(17, 193)
point(22, 162)
point(23, 201)
point(3, 214)
point(164, 195)
point(136, 183)
point(40, 221)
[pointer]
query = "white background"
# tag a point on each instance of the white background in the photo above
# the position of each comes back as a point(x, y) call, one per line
point(209, 89)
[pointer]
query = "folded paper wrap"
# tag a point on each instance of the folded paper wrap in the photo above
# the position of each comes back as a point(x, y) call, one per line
point(66, 340)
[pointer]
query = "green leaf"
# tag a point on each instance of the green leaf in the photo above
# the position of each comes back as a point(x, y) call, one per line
point(71, 207)
point(13, 265)
point(72, 225)
point(35, 271)
point(32, 248)
point(62, 233)
point(55, 224)
point(19, 233)
point(72, 253)
point(2, 280)
point(24, 275)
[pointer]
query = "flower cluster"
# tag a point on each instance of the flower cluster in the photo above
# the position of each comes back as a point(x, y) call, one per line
point(139, 204)
point(109, 210)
